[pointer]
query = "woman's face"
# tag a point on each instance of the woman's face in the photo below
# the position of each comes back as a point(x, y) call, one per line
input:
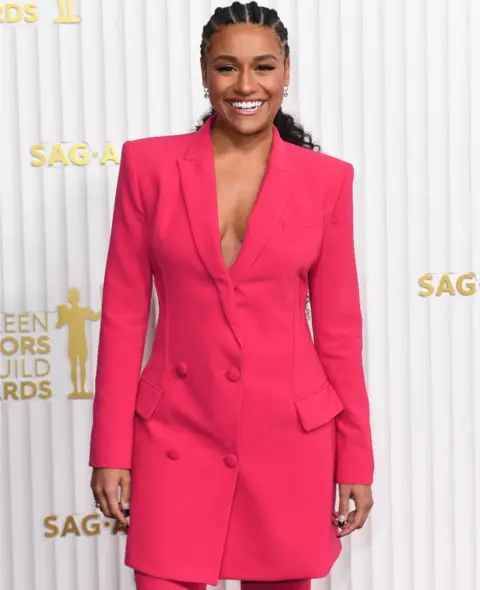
point(245, 72)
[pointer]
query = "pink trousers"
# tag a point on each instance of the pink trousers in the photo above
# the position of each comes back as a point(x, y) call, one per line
point(145, 582)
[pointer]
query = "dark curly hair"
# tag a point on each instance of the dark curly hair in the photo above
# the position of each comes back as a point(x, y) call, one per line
point(289, 129)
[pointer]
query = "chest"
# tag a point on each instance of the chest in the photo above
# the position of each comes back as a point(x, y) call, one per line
point(237, 190)
point(226, 220)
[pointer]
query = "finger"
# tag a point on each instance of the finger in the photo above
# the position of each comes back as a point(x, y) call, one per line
point(335, 518)
point(125, 499)
point(98, 506)
point(360, 517)
point(114, 506)
point(349, 526)
point(356, 520)
point(343, 505)
point(96, 497)
point(103, 501)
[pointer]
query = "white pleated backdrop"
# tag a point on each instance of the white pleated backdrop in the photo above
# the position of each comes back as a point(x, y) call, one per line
point(390, 85)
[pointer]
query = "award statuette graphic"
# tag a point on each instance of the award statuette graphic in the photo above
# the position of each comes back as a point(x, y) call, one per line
point(75, 317)
point(67, 13)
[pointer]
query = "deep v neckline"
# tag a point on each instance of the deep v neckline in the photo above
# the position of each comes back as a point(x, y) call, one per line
point(248, 225)
point(251, 215)
point(199, 191)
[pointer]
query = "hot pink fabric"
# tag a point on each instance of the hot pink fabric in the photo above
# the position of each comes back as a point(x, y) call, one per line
point(238, 427)
point(146, 582)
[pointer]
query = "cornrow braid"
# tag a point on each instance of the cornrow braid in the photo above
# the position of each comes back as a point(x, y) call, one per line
point(252, 13)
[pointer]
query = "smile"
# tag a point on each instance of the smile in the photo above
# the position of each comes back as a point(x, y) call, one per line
point(246, 107)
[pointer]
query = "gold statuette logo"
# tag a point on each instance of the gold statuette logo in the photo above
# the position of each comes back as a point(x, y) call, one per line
point(67, 13)
point(75, 318)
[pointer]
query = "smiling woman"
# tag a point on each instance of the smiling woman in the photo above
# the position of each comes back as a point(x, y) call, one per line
point(230, 442)
point(234, 61)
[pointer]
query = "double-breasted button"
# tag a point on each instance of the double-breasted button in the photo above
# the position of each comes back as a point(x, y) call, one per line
point(230, 460)
point(173, 454)
point(233, 374)
point(181, 369)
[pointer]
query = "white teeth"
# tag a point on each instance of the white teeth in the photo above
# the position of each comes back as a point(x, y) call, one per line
point(247, 105)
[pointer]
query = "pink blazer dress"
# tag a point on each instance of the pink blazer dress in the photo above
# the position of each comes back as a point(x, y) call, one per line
point(240, 425)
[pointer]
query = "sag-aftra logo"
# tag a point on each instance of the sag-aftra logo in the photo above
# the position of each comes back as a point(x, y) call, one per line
point(12, 13)
point(77, 154)
point(449, 284)
point(80, 525)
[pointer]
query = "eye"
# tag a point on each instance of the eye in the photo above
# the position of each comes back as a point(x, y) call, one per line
point(225, 69)
point(265, 68)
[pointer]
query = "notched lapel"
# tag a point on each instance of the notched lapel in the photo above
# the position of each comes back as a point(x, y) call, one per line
point(198, 189)
point(198, 183)
point(197, 176)
point(275, 193)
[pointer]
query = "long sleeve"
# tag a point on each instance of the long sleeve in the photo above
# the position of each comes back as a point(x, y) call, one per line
point(126, 302)
point(337, 328)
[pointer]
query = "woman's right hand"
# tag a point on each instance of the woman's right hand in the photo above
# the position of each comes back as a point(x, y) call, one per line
point(104, 484)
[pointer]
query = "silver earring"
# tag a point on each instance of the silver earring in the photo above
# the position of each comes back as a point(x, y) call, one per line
point(206, 94)
point(285, 93)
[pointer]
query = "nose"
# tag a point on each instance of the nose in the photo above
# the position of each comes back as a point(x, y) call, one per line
point(246, 82)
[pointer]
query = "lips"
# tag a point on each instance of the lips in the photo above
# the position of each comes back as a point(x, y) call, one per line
point(246, 107)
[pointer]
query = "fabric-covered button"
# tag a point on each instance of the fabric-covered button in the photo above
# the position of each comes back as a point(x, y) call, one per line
point(230, 460)
point(181, 369)
point(233, 374)
point(173, 454)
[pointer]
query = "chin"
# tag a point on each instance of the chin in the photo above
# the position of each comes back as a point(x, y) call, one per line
point(248, 125)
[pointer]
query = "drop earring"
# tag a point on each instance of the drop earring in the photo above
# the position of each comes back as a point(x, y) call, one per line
point(285, 92)
point(206, 93)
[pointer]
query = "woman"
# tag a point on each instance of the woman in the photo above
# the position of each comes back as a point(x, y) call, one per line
point(239, 427)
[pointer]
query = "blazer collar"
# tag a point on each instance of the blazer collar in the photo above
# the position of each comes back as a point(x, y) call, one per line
point(201, 146)
point(198, 182)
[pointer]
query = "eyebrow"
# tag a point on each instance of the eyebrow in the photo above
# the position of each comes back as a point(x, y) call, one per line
point(256, 58)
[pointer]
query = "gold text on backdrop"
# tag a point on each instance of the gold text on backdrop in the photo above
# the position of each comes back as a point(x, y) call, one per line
point(465, 284)
point(14, 13)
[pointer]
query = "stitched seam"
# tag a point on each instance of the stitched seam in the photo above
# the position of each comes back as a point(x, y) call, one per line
point(315, 391)
point(143, 210)
point(326, 225)
point(148, 382)
point(294, 343)
point(134, 170)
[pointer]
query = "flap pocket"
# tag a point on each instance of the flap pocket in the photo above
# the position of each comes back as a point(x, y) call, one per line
point(318, 407)
point(147, 399)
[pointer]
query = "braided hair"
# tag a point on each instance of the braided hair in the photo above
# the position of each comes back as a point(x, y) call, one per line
point(251, 12)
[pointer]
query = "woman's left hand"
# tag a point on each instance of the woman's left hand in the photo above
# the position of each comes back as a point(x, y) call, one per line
point(361, 494)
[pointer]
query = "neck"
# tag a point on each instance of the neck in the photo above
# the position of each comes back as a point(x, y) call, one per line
point(226, 140)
